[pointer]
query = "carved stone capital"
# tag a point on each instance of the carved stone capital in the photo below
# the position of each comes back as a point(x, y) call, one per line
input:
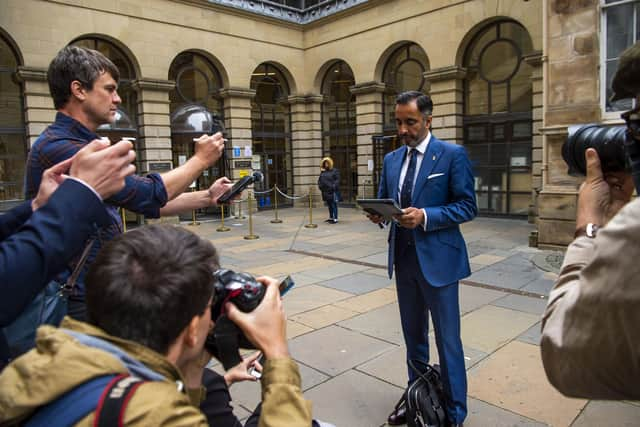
point(534, 59)
point(452, 72)
point(305, 99)
point(237, 92)
point(367, 88)
point(153, 84)
point(31, 74)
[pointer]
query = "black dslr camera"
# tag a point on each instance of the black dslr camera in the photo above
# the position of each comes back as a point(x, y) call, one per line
point(226, 338)
point(618, 147)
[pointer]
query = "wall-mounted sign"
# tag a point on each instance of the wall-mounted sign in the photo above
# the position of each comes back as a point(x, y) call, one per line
point(159, 166)
point(244, 172)
point(236, 151)
point(242, 164)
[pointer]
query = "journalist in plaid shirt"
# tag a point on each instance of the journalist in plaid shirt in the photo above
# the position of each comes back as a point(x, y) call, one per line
point(83, 84)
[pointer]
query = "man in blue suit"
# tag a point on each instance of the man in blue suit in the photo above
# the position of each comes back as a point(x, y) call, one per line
point(433, 182)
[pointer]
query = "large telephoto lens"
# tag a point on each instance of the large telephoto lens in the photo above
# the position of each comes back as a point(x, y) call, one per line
point(608, 142)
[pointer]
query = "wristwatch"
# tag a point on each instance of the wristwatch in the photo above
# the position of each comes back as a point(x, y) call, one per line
point(590, 230)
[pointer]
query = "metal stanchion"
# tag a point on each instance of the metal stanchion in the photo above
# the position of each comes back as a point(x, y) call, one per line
point(222, 227)
point(311, 224)
point(276, 220)
point(250, 236)
point(123, 215)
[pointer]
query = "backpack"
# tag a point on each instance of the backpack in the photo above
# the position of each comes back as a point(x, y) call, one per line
point(107, 395)
point(425, 397)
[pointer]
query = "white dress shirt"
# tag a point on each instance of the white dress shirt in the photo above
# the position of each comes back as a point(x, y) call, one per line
point(421, 148)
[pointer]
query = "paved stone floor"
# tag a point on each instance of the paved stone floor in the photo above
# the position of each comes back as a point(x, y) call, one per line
point(344, 326)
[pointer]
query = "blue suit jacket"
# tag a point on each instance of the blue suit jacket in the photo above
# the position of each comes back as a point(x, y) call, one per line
point(444, 187)
point(35, 247)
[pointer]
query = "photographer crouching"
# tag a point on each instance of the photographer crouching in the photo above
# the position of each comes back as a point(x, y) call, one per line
point(140, 358)
point(591, 327)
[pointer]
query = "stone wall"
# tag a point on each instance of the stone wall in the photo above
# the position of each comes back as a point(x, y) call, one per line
point(571, 95)
point(153, 32)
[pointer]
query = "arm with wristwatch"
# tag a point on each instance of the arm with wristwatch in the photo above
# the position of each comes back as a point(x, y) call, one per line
point(590, 326)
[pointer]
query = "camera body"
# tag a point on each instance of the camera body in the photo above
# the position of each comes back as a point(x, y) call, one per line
point(243, 290)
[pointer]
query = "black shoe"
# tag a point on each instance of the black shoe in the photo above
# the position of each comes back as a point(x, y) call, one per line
point(399, 415)
point(329, 220)
point(334, 221)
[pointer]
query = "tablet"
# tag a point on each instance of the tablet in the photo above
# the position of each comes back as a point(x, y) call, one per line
point(384, 207)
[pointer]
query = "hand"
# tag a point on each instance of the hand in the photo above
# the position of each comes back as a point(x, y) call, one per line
point(208, 149)
point(601, 197)
point(265, 326)
point(104, 167)
point(51, 180)
point(240, 372)
point(376, 219)
point(218, 188)
point(410, 218)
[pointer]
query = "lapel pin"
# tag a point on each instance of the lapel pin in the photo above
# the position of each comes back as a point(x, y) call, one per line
point(433, 158)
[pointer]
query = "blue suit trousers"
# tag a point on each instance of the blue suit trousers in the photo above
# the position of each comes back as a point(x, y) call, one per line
point(416, 298)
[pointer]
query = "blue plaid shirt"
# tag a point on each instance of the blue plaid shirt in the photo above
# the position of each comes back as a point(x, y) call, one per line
point(60, 141)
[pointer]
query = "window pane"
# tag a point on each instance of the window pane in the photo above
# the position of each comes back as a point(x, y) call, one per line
point(12, 161)
point(477, 96)
point(622, 104)
point(499, 99)
point(478, 154)
point(519, 204)
point(10, 101)
point(619, 29)
point(409, 76)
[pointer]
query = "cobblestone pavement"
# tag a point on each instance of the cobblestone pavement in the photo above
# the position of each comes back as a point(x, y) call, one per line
point(344, 326)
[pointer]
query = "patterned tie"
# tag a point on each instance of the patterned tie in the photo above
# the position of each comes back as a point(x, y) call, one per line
point(407, 185)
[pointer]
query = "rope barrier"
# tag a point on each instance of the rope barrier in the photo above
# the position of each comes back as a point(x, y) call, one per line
point(263, 192)
point(289, 197)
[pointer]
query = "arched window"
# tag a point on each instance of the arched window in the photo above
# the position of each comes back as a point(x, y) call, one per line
point(402, 72)
point(497, 121)
point(13, 144)
point(125, 89)
point(195, 100)
point(339, 126)
point(271, 126)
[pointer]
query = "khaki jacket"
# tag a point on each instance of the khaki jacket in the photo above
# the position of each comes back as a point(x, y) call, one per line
point(59, 363)
point(591, 327)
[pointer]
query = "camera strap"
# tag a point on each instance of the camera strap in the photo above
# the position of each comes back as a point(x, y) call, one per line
point(226, 335)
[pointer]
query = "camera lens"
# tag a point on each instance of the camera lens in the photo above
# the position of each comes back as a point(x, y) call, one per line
point(608, 141)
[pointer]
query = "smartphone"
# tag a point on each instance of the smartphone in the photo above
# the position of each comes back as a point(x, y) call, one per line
point(285, 284)
point(237, 188)
point(255, 373)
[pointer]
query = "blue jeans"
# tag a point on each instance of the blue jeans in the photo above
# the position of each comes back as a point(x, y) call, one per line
point(333, 208)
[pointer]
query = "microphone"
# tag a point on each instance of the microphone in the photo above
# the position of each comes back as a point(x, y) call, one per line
point(257, 176)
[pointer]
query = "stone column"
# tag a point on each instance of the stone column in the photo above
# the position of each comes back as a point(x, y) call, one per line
point(535, 60)
point(237, 118)
point(306, 142)
point(369, 122)
point(153, 146)
point(445, 86)
point(38, 104)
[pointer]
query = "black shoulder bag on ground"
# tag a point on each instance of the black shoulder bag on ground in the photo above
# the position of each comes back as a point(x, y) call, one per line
point(425, 397)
